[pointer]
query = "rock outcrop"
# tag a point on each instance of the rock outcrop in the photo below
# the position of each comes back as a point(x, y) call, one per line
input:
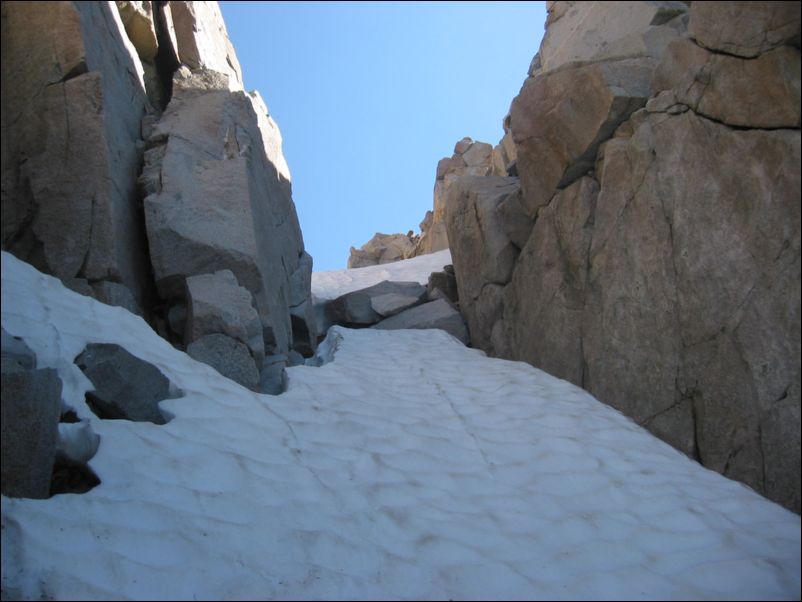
point(470, 158)
point(652, 254)
point(382, 248)
point(133, 160)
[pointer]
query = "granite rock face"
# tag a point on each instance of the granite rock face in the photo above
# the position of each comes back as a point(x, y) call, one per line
point(215, 201)
point(113, 87)
point(659, 261)
point(72, 106)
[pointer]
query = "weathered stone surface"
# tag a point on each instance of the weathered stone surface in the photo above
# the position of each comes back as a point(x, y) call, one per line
point(216, 303)
point(484, 253)
point(125, 387)
point(356, 308)
point(202, 39)
point(30, 405)
point(504, 157)
point(470, 158)
point(389, 304)
point(545, 299)
point(382, 248)
point(435, 314)
point(662, 272)
point(481, 234)
point(763, 92)
point(555, 151)
point(71, 110)
point(744, 28)
point(689, 304)
point(228, 356)
point(216, 202)
point(594, 31)
point(137, 18)
point(445, 282)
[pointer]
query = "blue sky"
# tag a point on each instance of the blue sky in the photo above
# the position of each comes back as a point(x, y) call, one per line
point(369, 96)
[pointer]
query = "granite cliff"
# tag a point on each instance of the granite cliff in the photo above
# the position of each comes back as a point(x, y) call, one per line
point(648, 247)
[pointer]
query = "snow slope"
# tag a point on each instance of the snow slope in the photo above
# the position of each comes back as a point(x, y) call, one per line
point(410, 467)
point(330, 285)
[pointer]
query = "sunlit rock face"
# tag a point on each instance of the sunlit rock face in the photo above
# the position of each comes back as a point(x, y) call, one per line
point(133, 159)
point(656, 261)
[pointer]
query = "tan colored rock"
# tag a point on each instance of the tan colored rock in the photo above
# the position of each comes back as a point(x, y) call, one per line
point(696, 304)
point(763, 92)
point(470, 158)
point(584, 106)
point(202, 39)
point(382, 248)
point(744, 29)
point(597, 31)
point(137, 18)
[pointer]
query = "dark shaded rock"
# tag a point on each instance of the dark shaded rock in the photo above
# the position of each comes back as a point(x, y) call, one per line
point(125, 387)
point(228, 356)
point(70, 476)
point(31, 405)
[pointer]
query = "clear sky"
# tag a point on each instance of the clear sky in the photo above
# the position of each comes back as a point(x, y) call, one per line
point(369, 96)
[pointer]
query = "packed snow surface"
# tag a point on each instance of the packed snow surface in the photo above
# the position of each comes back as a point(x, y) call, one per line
point(409, 467)
point(330, 285)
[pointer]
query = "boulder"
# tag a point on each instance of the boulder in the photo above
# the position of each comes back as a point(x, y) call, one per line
point(125, 387)
point(435, 314)
point(31, 406)
point(217, 201)
point(216, 303)
point(228, 356)
point(355, 309)
point(744, 29)
point(389, 304)
point(554, 152)
point(445, 282)
point(382, 248)
point(73, 101)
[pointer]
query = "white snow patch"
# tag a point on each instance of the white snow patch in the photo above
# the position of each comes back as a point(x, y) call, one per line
point(410, 467)
point(330, 285)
